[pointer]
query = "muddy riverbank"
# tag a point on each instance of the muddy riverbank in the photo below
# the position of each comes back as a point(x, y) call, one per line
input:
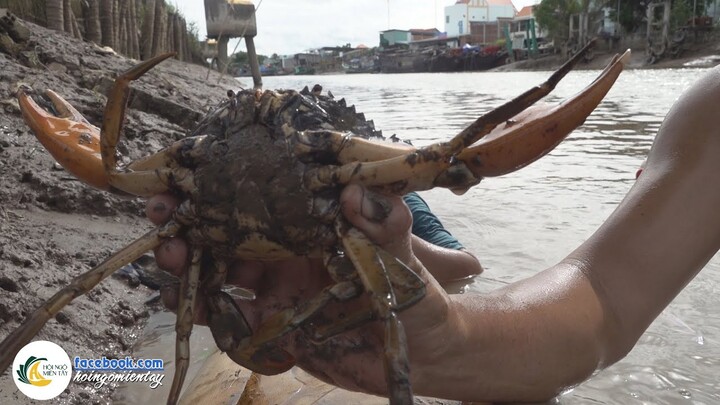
point(52, 227)
point(694, 56)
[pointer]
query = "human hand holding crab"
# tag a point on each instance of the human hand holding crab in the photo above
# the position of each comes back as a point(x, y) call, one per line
point(532, 339)
point(281, 284)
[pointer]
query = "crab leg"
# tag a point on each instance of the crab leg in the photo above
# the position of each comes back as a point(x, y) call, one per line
point(308, 144)
point(72, 134)
point(407, 287)
point(487, 122)
point(524, 138)
point(360, 150)
point(79, 286)
point(373, 266)
point(184, 324)
point(257, 351)
point(289, 319)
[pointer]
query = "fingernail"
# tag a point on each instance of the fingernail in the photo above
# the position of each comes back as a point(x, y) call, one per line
point(375, 207)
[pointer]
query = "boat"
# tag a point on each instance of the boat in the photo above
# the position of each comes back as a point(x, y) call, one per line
point(468, 59)
point(442, 59)
point(403, 61)
point(358, 65)
point(304, 70)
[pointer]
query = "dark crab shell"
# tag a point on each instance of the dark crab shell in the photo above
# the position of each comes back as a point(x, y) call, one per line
point(250, 194)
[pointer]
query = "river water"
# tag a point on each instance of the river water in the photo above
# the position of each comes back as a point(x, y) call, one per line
point(527, 221)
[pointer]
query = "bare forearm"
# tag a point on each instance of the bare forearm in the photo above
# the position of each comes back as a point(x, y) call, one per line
point(520, 343)
point(535, 337)
point(445, 264)
point(668, 226)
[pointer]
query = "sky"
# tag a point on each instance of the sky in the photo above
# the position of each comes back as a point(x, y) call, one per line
point(291, 26)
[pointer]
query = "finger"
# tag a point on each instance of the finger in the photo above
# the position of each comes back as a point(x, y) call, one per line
point(172, 256)
point(169, 297)
point(160, 207)
point(384, 219)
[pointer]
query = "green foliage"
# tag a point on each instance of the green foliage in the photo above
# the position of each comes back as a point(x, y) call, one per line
point(632, 14)
point(554, 16)
point(680, 13)
point(241, 58)
point(193, 36)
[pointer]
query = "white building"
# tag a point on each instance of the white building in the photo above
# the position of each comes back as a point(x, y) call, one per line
point(459, 15)
point(520, 26)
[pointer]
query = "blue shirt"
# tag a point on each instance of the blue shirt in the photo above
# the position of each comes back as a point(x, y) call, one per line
point(427, 226)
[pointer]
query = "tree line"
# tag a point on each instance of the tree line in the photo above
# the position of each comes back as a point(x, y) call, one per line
point(554, 15)
point(139, 29)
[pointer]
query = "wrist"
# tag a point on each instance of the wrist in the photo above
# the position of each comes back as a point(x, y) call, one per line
point(437, 352)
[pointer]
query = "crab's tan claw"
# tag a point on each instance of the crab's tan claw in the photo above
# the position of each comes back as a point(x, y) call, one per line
point(87, 152)
point(505, 139)
point(536, 131)
point(70, 138)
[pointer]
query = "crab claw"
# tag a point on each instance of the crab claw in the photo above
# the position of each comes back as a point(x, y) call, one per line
point(501, 141)
point(536, 131)
point(69, 137)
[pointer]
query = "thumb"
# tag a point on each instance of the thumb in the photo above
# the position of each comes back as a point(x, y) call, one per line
point(385, 219)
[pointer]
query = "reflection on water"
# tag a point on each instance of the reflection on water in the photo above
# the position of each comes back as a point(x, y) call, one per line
point(529, 220)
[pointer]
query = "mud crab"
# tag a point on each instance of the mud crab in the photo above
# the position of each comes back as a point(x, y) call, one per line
point(260, 178)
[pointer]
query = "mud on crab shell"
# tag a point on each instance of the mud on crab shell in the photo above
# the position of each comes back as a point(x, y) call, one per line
point(260, 178)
